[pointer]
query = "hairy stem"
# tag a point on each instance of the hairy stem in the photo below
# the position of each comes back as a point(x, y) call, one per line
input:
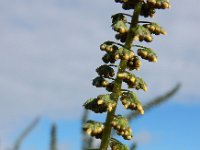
point(118, 82)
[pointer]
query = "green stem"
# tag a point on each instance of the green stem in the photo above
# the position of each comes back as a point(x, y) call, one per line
point(118, 82)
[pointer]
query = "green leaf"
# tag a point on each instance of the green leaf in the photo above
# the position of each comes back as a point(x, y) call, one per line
point(117, 145)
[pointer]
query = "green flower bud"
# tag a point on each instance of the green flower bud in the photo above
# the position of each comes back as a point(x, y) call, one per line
point(140, 84)
point(148, 54)
point(147, 10)
point(120, 124)
point(131, 101)
point(100, 82)
point(105, 71)
point(109, 57)
point(141, 33)
point(119, 23)
point(155, 28)
point(93, 128)
point(159, 4)
point(108, 46)
point(92, 104)
point(100, 104)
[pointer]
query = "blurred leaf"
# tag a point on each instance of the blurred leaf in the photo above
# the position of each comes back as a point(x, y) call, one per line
point(25, 133)
point(155, 102)
point(53, 141)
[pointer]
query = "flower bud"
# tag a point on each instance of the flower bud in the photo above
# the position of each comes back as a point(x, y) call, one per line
point(120, 124)
point(93, 128)
point(131, 101)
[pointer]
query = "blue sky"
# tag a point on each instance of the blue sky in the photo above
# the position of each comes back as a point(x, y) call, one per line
point(45, 71)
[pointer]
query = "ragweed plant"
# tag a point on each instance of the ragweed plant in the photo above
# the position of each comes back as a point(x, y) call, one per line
point(112, 79)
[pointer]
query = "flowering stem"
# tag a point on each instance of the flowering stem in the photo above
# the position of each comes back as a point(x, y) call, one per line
point(118, 82)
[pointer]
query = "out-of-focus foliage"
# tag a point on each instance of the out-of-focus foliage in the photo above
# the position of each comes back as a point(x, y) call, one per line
point(53, 140)
point(25, 133)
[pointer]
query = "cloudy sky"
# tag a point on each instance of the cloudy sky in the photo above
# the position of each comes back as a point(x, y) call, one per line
point(49, 50)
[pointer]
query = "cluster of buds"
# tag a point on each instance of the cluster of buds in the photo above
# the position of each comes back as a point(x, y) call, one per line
point(100, 104)
point(155, 28)
point(119, 23)
point(92, 104)
point(148, 7)
point(93, 128)
point(100, 82)
point(133, 81)
point(159, 4)
point(121, 37)
point(116, 145)
point(106, 101)
point(118, 17)
point(108, 46)
point(142, 34)
point(131, 101)
point(134, 63)
point(124, 54)
point(110, 86)
point(120, 124)
point(105, 71)
point(147, 10)
point(121, 53)
point(109, 58)
point(126, 32)
point(127, 4)
point(148, 54)
point(140, 84)
point(127, 78)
